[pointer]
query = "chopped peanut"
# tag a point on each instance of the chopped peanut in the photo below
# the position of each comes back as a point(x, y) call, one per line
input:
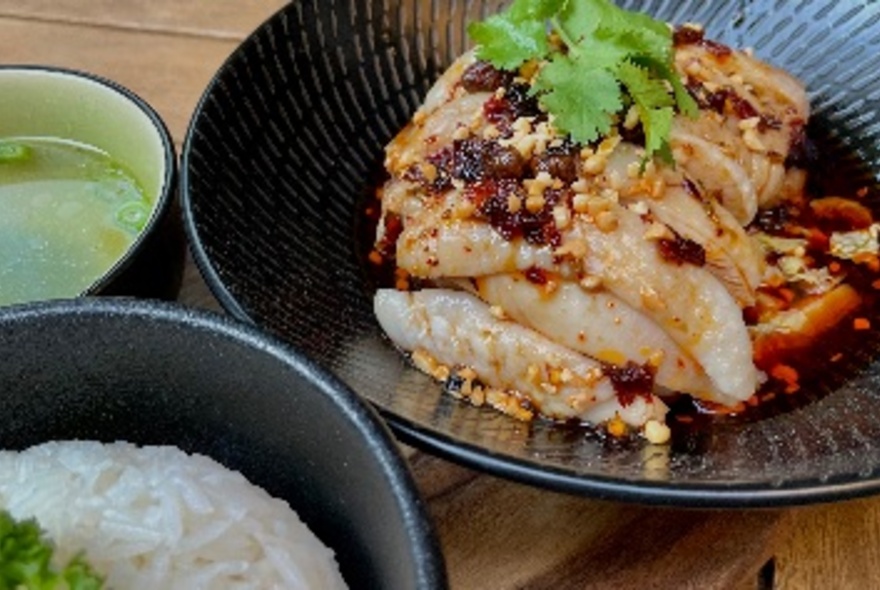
point(606, 221)
point(657, 432)
point(616, 427)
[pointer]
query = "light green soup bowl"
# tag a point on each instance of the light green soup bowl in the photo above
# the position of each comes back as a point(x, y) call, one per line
point(77, 107)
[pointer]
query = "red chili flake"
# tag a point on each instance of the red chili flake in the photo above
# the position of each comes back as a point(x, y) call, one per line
point(535, 275)
point(492, 199)
point(481, 76)
point(375, 258)
point(559, 161)
point(715, 48)
point(818, 240)
point(802, 152)
point(741, 107)
point(751, 315)
point(480, 192)
point(682, 250)
point(686, 35)
point(393, 228)
point(476, 159)
point(631, 381)
point(787, 375)
point(691, 188)
point(517, 102)
point(442, 162)
point(468, 156)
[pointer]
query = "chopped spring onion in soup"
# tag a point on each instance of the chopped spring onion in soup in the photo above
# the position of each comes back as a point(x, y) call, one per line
point(69, 213)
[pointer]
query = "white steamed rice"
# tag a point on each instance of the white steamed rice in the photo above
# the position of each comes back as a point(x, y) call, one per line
point(155, 517)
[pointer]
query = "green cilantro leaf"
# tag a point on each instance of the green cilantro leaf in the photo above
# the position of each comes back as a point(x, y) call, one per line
point(683, 99)
point(562, 86)
point(511, 38)
point(522, 10)
point(508, 44)
point(600, 53)
point(654, 104)
point(657, 124)
point(646, 91)
point(606, 59)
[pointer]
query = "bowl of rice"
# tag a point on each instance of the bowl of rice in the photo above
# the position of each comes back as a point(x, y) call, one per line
point(175, 448)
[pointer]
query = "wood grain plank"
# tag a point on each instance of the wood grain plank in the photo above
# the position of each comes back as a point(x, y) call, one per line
point(831, 546)
point(225, 19)
point(498, 534)
point(170, 72)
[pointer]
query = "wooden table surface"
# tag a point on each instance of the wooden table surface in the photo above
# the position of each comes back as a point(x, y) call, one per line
point(495, 534)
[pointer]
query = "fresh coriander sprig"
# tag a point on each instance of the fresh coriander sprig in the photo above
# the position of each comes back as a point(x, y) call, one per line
point(602, 60)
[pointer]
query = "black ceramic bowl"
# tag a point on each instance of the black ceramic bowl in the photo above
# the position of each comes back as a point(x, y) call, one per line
point(286, 145)
point(46, 101)
point(152, 373)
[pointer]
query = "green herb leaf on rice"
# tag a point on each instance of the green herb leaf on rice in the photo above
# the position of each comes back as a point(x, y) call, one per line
point(25, 561)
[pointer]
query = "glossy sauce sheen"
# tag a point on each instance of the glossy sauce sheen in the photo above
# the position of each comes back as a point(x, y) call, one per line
point(828, 362)
point(491, 173)
point(821, 367)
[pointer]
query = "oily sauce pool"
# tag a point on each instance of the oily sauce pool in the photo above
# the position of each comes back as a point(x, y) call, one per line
point(797, 374)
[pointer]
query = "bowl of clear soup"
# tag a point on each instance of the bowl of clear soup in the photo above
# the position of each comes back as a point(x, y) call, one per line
point(87, 189)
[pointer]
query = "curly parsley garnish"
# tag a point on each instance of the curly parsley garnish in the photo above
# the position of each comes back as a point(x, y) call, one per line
point(598, 60)
point(25, 561)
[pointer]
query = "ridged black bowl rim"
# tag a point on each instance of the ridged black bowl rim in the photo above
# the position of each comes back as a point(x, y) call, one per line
point(163, 203)
point(711, 495)
point(428, 558)
point(700, 496)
